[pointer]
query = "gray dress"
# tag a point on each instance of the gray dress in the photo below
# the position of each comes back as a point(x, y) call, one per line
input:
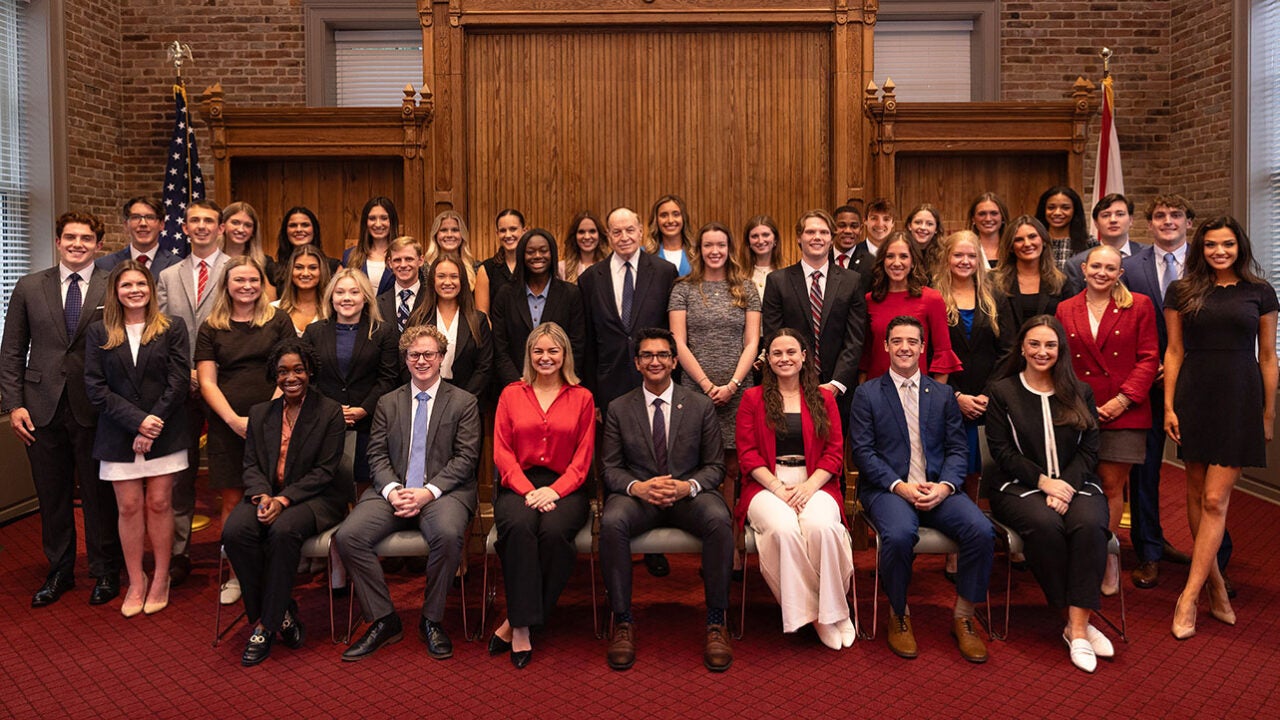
point(714, 334)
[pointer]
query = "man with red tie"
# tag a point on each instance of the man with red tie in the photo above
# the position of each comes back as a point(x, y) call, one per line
point(143, 219)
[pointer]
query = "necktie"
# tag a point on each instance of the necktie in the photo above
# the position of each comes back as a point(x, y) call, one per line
point(71, 309)
point(143, 260)
point(402, 313)
point(202, 282)
point(415, 478)
point(842, 260)
point(911, 408)
point(660, 437)
point(628, 294)
point(815, 309)
point(1170, 274)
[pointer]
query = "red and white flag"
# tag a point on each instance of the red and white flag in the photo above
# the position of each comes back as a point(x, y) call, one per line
point(1107, 176)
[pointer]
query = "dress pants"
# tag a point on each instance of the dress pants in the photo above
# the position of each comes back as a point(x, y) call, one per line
point(956, 517)
point(705, 517)
point(61, 454)
point(443, 524)
point(1067, 553)
point(265, 558)
point(537, 552)
point(184, 484)
point(805, 558)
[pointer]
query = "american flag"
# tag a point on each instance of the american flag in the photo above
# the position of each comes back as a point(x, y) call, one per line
point(183, 181)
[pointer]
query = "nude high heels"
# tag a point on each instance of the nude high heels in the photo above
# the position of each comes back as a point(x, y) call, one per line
point(1220, 604)
point(1184, 617)
point(130, 607)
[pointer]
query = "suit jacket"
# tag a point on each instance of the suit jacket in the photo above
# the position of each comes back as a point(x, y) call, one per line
point(453, 441)
point(125, 392)
point(310, 467)
point(1015, 435)
point(472, 356)
point(610, 368)
point(1075, 276)
point(161, 260)
point(1011, 312)
point(881, 443)
point(176, 293)
point(389, 300)
point(981, 351)
point(843, 323)
point(374, 368)
point(1124, 358)
point(862, 262)
point(512, 324)
point(38, 361)
point(381, 284)
point(1141, 276)
point(695, 444)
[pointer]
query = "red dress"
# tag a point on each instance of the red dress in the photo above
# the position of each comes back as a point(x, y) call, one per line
point(931, 310)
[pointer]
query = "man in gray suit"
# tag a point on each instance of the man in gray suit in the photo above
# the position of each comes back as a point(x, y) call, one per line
point(179, 292)
point(423, 452)
point(663, 460)
point(42, 389)
point(143, 220)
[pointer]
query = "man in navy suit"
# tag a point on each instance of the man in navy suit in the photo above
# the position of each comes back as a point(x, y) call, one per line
point(143, 219)
point(908, 440)
point(1113, 218)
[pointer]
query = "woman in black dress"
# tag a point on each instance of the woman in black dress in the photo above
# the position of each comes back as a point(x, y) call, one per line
point(500, 270)
point(450, 306)
point(1219, 395)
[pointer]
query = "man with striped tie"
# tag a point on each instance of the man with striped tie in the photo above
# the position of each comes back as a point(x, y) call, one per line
point(404, 257)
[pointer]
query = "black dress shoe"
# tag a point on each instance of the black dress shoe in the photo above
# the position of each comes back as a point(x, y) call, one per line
point(439, 646)
point(105, 590)
point(179, 570)
point(383, 631)
point(292, 634)
point(521, 658)
point(258, 648)
point(52, 589)
point(657, 565)
point(497, 646)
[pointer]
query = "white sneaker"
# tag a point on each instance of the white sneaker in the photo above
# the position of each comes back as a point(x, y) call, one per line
point(1102, 647)
point(829, 634)
point(848, 633)
point(1082, 655)
point(230, 592)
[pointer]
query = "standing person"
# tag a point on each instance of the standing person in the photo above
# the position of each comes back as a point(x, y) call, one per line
point(143, 220)
point(987, 217)
point(292, 448)
point(1061, 212)
point(137, 375)
point(187, 292)
point(449, 237)
point(760, 251)
point(240, 232)
point(669, 235)
point(790, 447)
point(585, 244)
point(499, 270)
point(42, 389)
point(1043, 436)
point(1219, 395)
point(468, 357)
point(1026, 277)
point(379, 225)
point(924, 225)
point(875, 232)
point(1112, 334)
point(847, 235)
point(1113, 218)
point(232, 348)
point(405, 297)
point(298, 227)
point(543, 440)
point(300, 298)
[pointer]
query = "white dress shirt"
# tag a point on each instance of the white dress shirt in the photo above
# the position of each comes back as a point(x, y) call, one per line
point(413, 414)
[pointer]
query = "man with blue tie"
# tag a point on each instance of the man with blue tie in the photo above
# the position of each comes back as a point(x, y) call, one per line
point(908, 440)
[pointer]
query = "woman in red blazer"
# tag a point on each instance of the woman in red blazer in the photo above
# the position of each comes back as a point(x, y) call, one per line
point(791, 454)
point(1111, 335)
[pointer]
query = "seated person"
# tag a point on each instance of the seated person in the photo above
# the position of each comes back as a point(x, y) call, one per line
point(662, 458)
point(912, 474)
point(423, 451)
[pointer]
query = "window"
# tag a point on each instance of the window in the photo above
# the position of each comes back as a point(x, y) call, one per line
point(371, 67)
point(15, 207)
point(1263, 110)
point(939, 50)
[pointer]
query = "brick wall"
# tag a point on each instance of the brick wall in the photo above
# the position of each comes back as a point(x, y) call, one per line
point(94, 127)
point(1200, 99)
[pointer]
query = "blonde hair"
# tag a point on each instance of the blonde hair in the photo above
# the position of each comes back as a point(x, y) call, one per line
point(1119, 293)
point(361, 280)
point(220, 316)
point(289, 295)
point(559, 337)
point(155, 322)
point(983, 299)
point(253, 247)
point(463, 256)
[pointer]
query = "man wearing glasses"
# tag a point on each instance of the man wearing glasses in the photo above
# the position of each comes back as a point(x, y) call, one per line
point(143, 219)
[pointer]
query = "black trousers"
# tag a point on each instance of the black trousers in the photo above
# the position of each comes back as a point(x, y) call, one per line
point(265, 558)
point(184, 484)
point(1067, 553)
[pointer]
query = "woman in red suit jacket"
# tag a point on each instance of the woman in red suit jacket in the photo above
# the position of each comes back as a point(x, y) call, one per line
point(790, 453)
point(1111, 334)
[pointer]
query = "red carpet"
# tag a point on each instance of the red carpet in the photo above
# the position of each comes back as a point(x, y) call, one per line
point(72, 660)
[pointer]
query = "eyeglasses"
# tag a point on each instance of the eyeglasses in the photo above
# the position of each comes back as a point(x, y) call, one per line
point(647, 356)
point(136, 218)
point(428, 356)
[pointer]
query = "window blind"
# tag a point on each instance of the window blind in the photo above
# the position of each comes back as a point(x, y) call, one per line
point(1264, 135)
point(15, 212)
point(373, 66)
point(929, 61)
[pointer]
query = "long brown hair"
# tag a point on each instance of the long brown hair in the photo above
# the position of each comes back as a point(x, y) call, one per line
point(289, 294)
point(1200, 278)
point(360, 253)
point(747, 256)
point(573, 255)
point(155, 322)
point(653, 238)
point(430, 301)
point(774, 415)
point(917, 277)
point(734, 276)
point(1067, 403)
point(1006, 272)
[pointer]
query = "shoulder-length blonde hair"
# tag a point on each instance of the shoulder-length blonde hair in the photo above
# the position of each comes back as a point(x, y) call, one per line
point(464, 256)
point(289, 294)
point(361, 280)
point(155, 322)
point(943, 282)
point(559, 337)
point(220, 316)
point(253, 247)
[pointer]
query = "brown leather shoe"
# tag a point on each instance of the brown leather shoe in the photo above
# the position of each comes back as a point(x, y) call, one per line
point(1174, 555)
point(1147, 575)
point(971, 646)
point(902, 641)
point(622, 648)
point(717, 656)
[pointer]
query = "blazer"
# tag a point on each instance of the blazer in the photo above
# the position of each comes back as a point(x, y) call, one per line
point(162, 260)
point(310, 467)
point(374, 368)
point(512, 323)
point(843, 322)
point(389, 300)
point(1010, 308)
point(384, 283)
point(695, 443)
point(1141, 276)
point(981, 351)
point(758, 447)
point(125, 392)
point(881, 443)
point(1015, 436)
point(861, 262)
point(1124, 358)
point(38, 361)
point(610, 368)
point(176, 293)
point(453, 441)
point(472, 356)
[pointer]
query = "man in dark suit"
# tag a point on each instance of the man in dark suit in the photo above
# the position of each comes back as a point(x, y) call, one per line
point(42, 388)
point(815, 287)
point(848, 233)
point(397, 304)
point(1112, 218)
point(908, 439)
point(876, 230)
point(663, 460)
point(143, 219)
point(423, 452)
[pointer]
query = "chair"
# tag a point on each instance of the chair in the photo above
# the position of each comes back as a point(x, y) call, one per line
point(408, 543)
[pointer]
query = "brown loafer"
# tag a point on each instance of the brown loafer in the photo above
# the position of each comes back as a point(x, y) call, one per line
point(622, 647)
point(1147, 575)
point(902, 641)
point(717, 655)
point(971, 646)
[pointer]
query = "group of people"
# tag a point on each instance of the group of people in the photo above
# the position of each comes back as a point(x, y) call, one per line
point(667, 363)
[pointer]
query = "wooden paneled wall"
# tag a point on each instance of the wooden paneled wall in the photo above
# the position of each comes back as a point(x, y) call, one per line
point(951, 182)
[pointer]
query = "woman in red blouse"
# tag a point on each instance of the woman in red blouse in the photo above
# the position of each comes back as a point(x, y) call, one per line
point(899, 286)
point(543, 438)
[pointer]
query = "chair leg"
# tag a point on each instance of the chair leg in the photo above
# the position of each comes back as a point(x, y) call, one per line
point(742, 617)
point(853, 589)
point(218, 631)
point(462, 590)
point(595, 601)
point(875, 595)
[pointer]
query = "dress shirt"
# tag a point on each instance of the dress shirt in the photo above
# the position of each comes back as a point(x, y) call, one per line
point(620, 273)
point(150, 256)
point(450, 331)
point(872, 248)
point(537, 302)
point(1179, 259)
point(211, 261)
point(665, 397)
point(809, 270)
point(1052, 468)
point(847, 255)
point(64, 273)
point(413, 414)
point(414, 289)
point(561, 439)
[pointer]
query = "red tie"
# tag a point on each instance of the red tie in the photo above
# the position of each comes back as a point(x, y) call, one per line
point(203, 281)
point(143, 260)
point(841, 259)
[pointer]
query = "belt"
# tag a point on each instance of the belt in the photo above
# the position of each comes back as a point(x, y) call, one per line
point(791, 461)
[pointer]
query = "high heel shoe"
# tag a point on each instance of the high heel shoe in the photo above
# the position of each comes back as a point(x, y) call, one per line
point(1111, 578)
point(1182, 631)
point(1220, 605)
point(151, 608)
point(131, 608)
